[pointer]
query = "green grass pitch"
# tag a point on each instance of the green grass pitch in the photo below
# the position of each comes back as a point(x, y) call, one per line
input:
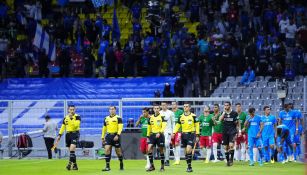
point(136, 167)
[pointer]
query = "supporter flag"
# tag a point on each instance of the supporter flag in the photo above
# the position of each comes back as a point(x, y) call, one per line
point(116, 30)
point(98, 3)
point(42, 41)
point(21, 19)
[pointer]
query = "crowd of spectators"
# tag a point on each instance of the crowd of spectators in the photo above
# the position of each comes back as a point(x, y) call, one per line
point(231, 36)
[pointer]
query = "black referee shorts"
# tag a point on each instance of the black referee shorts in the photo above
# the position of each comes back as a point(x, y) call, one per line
point(72, 138)
point(187, 139)
point(109, 139)
point(229, 137)
point(157, 141)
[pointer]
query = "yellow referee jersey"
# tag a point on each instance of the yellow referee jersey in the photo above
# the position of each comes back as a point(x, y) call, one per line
point(156, 124)
point(189, 123)
point(70, 124)
point(113, 125)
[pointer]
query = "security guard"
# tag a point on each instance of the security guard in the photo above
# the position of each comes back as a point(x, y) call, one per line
point(112, 128)
point(155, 130)
point(190, 128)
point(71, 123)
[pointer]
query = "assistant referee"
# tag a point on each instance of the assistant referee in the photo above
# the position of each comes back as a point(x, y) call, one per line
point(190, 128)
point(71, 123)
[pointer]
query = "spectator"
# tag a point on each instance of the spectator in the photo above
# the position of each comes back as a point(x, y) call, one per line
point(283, 23)
point(248, 76)
point(88, 63)
point(298, 59)
point(43, 64)
point(289, 73)
point(119, 57)
point(49, 130)
point(290, 34)
point(167, 91)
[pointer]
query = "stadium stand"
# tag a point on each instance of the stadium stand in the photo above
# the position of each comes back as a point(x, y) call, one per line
point(260, 93)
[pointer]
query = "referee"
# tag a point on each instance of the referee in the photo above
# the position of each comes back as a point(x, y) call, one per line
point(231, 127)
point(111, 130)
point(155, 130)
point(190, 128)
point(71, 123)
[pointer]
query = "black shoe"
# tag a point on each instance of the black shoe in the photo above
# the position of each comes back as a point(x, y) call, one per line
point(68, 167)
point(162, 169)
point(189, 170)
point(75, 167)
point(166, 163)
point(121, 166)
point(106, 169)
point(151, 168)
point(228, 163)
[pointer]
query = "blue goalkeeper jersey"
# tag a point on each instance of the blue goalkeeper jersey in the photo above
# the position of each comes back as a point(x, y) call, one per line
point(288, 119)
point(254, 125)
point(268, 126)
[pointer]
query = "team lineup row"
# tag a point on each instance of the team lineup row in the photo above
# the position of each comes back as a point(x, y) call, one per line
point(235, 130)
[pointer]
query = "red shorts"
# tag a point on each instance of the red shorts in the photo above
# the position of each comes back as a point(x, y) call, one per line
point(205, 141)
point(177, 139)
point(143, 145)
point(242, 139)
point(217, 138)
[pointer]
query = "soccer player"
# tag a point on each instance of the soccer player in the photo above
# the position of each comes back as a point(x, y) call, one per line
point(217, 136)
point(241, 139)
point(111, 130)
point(143, 120)
point(206, 124)
point(283, 140)
point(288, 118)
point(155, 130)
point(230, 129)
point(190, 128)
point(269, 124)
point(176, 141)
point(169, 118)
point(254, 127)
point(299, 130)
point(71, 123)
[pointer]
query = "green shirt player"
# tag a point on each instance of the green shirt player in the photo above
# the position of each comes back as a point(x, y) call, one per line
point(206, 124)
point(217, 136)
point(241, 140)
point(177, 139)
point(143, 121)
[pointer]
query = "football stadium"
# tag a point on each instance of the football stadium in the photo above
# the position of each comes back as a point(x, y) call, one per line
point(147, 86)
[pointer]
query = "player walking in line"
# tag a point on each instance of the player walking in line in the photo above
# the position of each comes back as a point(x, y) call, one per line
point(169, 118)
point(71, 123)
point(241, 140)
point(206, 124)
point(299, 131)
point(269, 124)
point(190, 128)
point(217, 136)
point(143, 121)
point(111, 130)
point(155, 130)
point(288, 118)
point(283, 140)
point(254, 127)
point(231, 127)
point(176, 141)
